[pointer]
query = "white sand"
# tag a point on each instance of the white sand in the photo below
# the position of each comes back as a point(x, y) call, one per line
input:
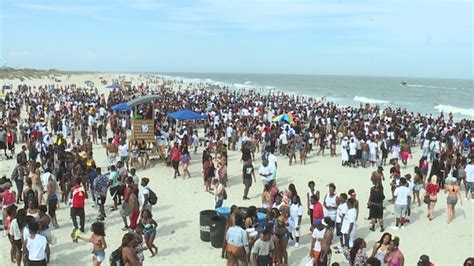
point(180, 201)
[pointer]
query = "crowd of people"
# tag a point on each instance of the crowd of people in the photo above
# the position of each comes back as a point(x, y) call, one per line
point(57, 128)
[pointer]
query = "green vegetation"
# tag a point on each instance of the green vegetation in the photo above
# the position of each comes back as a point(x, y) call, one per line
point(31, 73)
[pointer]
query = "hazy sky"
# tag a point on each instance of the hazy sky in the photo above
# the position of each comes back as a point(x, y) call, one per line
point(428, 38)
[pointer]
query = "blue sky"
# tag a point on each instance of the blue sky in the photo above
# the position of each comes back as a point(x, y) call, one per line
point(428, 38)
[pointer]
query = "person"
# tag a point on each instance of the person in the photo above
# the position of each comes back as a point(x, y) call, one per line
point(281, 236)
point(11, 212)
point(356, 255)
point(352, 194)
point(36, 246)
point(237, 241)
point(8, 197)
point(394, 257)
point(77, 207)
point(322, 235)
point(425, 261)
point(330, 202)
point(133, 203)
point(52, 200)
point(349, 224)
point(139, 229)
point(44, 223)
point(296, 215)
point(175, 159)
point(185, 160)
point(418, 185)
point(144, 196)
point(114, 186)
point(431, 191)
point(16, 228)
point(230, 221)
point(209, 171)
point(100, 190)
point(267, 197)
point(98, 243)
point(218, 192)
point(373, 261)
point(309, 200)
point(340, 213)
point(377, 176)
point(266, 172)
point(125, 211)
point(454, 192)
point(469, 169)
point(401, 193)
point(129, 253)
point(150, 231)
point(381, 247)
point(375, 205)
point(247, 174)
point(263, 249)
point(318, 211)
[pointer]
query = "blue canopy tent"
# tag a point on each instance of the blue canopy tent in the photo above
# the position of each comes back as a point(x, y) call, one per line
point(121, 107)
point(187, 115)
point(113, 86)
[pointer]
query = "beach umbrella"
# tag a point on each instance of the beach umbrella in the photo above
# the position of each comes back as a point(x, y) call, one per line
point(121, 107)
point(283, 117)
point(143, 99)
point(292, 116)
point(113, 86)
point(187, 115)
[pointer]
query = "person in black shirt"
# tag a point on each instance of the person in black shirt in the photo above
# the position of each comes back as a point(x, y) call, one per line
point(375, 206)
point(247, 175)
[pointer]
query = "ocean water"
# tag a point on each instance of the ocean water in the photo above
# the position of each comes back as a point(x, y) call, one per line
point(423, 95)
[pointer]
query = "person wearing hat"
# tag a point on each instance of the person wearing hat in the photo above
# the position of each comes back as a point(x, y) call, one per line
point(454, 192)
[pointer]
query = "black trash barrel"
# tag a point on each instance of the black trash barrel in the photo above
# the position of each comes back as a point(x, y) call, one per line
point(204, 223)
point(217, 231)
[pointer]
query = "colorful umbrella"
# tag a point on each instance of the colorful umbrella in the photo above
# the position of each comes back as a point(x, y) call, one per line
point(283, 117)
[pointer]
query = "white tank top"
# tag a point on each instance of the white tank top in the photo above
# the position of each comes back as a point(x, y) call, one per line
point(331, 201)
point(318, 234)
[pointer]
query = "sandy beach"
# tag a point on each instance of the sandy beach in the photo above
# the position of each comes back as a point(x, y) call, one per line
point(180, 201)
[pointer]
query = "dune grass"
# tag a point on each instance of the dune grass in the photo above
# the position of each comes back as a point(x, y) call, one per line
point(31, 73)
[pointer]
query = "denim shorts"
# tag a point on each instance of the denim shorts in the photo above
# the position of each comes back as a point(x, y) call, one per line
point(100, 255)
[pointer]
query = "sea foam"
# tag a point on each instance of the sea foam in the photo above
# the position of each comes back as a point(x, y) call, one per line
point(431, 87)
point(455, 110)
point(362, 99)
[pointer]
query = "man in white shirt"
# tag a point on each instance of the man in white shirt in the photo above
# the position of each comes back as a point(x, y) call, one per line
point(348, 227)
point(283, 142)
point(266, 172)
point(402, 194)
point(340, 213)
point(470, 179)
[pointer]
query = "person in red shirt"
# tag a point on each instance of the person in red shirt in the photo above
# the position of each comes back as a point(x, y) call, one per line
point(78, 196)
point(318, 213)
point(11, 143)
point(175, 157)
point(432, 190)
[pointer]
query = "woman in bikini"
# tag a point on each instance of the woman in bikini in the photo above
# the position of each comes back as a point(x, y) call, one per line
point(150, 231)
point(381, 247)
point(251, 226)
point(236, 239)
point(98, 243)
point(282, 235)
point(129, 253)
point(454, 192)
point(267, 197)
point(394, 257)
point(432, 190)
point(418, 180)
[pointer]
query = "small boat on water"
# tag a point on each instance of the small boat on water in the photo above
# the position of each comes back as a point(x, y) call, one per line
point(403, 83)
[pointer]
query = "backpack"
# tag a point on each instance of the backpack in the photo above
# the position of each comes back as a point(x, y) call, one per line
point(152, 198)
point(116, 257)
